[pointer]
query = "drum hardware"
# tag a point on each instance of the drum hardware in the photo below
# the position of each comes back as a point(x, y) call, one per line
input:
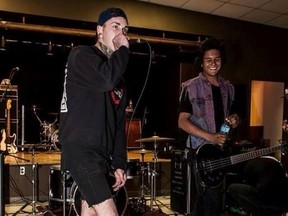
point(153, 171)
point(60, 183)
point(55, 140)
point(34, 185)
point(154, 139)
point(141, 151)
point(139, 205)
point(63, 181)
point(34, 108)
point(48, 131)
point(70, 198)
point(142, 199)
point(142, 171)
point(133, 168)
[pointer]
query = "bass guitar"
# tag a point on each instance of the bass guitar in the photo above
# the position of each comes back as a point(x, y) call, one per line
point(3, 144)
point(9, 140)
point(211, 164)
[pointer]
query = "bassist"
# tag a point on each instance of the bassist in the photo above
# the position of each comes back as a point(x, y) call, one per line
point(205, 102)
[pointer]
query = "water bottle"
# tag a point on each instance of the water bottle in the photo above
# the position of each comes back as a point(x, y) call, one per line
point(225, 128)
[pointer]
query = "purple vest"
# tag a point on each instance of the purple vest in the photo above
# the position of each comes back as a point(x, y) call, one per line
point(200, 96)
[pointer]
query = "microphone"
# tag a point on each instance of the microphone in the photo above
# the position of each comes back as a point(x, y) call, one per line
point(137, 41)
point(15, 69)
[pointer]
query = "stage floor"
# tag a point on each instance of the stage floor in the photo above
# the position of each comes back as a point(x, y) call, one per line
point(162, 202)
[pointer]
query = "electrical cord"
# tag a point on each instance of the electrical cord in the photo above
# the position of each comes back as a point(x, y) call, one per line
point(141, 93)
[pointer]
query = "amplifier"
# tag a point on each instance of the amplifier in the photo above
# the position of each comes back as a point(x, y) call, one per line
point(181, 188)
point(178, 181)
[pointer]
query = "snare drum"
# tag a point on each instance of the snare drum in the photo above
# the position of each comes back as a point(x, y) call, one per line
point(133, 168)
point(120, 198)
point(56, 186)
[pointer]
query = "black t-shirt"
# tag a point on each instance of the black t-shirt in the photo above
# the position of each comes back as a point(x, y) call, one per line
point(186, 106)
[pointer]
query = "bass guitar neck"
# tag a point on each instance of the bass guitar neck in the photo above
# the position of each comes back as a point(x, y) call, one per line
point(211, 163)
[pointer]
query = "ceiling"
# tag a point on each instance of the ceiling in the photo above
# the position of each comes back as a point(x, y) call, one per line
point(267, 12)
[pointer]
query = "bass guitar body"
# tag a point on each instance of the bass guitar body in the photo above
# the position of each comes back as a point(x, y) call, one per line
point(10, 140)
point(11, 146)
point(3, 144)
point(208, 165)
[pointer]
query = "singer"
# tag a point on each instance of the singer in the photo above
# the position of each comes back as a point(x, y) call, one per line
point(92, 120)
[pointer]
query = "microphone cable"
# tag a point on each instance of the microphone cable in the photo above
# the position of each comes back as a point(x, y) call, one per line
point(141, 94)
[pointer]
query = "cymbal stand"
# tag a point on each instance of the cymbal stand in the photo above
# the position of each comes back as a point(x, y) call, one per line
point(35, 113)
point(34, 183)
point(42, 124)
point(142, 187)
point(153, 177)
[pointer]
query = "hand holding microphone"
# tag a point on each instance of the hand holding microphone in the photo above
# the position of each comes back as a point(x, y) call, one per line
point(120, 40)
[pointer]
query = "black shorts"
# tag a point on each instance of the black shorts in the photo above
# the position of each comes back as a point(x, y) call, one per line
point(90, 170)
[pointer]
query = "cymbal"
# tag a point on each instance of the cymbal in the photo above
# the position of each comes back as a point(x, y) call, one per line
point(141, 151)
point(154, 139)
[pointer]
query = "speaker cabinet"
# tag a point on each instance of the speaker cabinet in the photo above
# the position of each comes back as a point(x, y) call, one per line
point(178, 181)
point(181, 188)
point(17, 186)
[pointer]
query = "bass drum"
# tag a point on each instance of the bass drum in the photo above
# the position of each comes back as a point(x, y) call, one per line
point(56, 186)
point(120, 198)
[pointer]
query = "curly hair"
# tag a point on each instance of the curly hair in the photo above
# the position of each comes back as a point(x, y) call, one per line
point(208, 44)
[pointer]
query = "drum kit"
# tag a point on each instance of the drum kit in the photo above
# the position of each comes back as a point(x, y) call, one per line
point(48, 131)
point(65, 196)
